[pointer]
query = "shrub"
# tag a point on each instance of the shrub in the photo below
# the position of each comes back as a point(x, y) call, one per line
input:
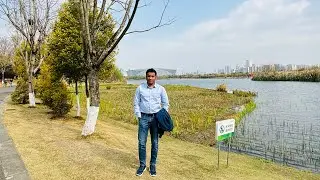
point(21, 93)
point(53, 92)
point(244, 93)
point(61, 99)
point(108, 87)
point(222, 88)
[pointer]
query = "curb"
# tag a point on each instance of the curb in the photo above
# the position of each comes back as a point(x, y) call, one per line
point(11, 165)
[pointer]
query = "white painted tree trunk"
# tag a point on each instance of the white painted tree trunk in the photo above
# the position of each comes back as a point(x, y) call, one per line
point(3, 78)
point(32, 101)
point(88, 104)
point(93, 112)
point(91, 121)
point(78, 105)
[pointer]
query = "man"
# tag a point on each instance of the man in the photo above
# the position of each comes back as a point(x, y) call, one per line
point(150, 98)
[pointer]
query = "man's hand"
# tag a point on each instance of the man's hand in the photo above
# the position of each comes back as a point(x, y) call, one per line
point(167, 133)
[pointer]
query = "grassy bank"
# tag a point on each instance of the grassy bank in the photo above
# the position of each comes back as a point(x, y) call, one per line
point(194, 110)
point(53, 149)
point(310, 75)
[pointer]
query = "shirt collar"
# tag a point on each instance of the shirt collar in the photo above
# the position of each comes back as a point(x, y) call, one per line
point(155, 85)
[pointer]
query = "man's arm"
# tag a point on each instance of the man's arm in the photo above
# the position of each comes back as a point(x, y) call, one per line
point(137, 111)
point(164, 99)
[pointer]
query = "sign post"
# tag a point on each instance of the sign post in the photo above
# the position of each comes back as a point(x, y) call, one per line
point(224, 130)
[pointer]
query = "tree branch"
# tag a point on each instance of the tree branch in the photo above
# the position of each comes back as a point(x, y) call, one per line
point(97, 21)
point(39, 65)
point(93, 19)
point(144, 5)
point(43, 28)
point(85, 33)
point(160, 24)
point(171, 21)
point(6, 11)
point(115, 41)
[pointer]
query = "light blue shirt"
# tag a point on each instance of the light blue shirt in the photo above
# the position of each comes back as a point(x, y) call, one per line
point(150, 100)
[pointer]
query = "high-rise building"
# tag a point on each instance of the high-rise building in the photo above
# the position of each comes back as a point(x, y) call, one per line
point(221, 71)
point(248, 66)
point(291, 67)
point(237, 68)
point(278, 67)
point(254, 68)
point(268, 67)
point(227, 69)
point(179, 71)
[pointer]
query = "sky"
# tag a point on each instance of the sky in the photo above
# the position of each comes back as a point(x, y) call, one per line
point(211, 34)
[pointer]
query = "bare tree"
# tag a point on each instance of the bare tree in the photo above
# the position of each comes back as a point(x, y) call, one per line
point(6, 53)
point(31, 19)
point(92, 13)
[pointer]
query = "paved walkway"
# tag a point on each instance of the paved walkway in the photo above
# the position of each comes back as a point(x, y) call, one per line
point(11, 165)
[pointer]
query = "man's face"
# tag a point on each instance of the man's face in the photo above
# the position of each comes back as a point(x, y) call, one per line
point(151, 78)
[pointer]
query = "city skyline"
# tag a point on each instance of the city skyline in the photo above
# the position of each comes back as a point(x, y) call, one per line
point(235, 68)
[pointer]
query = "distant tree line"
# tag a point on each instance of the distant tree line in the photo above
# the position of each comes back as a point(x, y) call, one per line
point(197, 76)
point(306, 75)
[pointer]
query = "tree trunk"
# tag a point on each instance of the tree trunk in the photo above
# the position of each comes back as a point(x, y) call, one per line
point(32, 101)
point(93, 111)
point(2, 70)
point(87, 93)
point(78, 100)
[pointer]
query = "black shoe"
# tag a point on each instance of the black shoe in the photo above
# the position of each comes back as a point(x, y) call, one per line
point(153, 171)
point(140, 170)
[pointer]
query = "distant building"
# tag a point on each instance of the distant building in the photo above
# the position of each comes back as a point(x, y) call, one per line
point(303, 66)
point(123, 72)
point(179, 71)
point(268, 67)
point(291, 67)
point(237, 68)
point(221, 71)
point(248, 66)
point(259, 68)
point(243, 70)
point(227, 69)
point(160, 72)
point(279, 67)
point(253, 68)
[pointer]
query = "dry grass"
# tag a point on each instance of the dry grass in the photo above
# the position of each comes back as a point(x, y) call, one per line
point(307, 75)
point(54, 149)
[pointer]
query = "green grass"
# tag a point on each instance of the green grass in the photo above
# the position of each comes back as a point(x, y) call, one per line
point(248, 108)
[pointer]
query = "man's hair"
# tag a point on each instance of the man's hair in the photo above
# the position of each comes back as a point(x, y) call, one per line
point(152, 71)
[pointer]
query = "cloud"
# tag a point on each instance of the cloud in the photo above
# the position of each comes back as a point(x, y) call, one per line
point(264, 31)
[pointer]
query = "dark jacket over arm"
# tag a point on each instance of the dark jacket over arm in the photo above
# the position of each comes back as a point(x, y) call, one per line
point(164, 122)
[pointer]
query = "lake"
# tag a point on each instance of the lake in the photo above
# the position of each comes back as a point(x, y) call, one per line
point(285, 126)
